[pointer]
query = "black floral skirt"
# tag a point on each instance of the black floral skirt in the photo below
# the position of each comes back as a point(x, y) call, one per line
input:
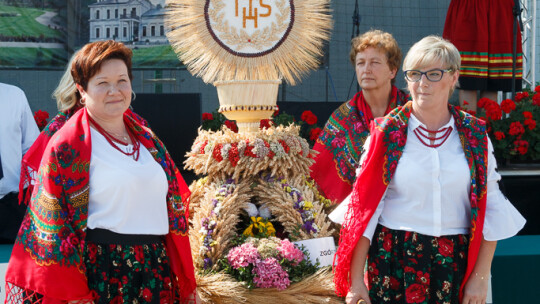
point(135, 271)
point(408, 267)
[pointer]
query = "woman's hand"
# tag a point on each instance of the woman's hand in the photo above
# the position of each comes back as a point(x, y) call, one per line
point(475, 290)
point(356, 293)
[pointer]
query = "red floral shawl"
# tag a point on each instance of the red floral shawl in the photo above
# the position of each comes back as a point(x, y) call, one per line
point(340, 145)
point(47, 255)
point(388, 138)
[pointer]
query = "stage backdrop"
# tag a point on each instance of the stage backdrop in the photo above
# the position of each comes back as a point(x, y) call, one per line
point(175, 119)
point(42, 34)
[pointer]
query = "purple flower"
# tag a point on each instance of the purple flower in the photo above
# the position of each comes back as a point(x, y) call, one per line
point(207, 263)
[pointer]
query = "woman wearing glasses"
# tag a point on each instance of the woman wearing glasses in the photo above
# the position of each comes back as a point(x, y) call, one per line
point(426, 210)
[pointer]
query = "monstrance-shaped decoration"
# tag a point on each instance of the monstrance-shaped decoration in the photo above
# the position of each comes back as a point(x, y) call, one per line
point(245, 48)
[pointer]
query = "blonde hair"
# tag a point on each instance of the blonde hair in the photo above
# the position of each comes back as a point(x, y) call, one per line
point(66, 93)
point(432, 49)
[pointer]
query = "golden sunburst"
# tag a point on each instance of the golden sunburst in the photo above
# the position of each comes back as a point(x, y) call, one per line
point(223, 40)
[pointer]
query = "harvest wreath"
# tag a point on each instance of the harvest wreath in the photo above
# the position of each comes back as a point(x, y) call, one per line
point(246, 218)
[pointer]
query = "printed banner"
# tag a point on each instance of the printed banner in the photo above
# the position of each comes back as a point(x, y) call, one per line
point(41, 34)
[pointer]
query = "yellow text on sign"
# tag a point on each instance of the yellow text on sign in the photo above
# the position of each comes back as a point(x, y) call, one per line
point(251, 13)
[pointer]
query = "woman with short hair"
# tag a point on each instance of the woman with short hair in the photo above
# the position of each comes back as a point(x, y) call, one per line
point(107, 221)
point(376, 58)
point(426, 209)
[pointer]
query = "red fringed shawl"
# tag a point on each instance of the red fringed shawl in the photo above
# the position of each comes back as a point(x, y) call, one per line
point(340, 145)
point(388, 138)
point(47, 255)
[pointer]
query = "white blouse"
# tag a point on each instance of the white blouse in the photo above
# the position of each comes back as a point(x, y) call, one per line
point(126, 196)
point(429, 193)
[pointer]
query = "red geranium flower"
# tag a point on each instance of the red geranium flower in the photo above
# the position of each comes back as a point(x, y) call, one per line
point(508, 106)
point(516, 128)
point(494, 112)
point(309, 117)
point(483, 101)
point(537, 89)
point(499, 135)
point(265, 124)
point(314, 133)
point(536, 99)
point(530, 123)
point(520, 96)
point(527, 114)
point(41, 118)
point(231, 125)
point(207, 116)
point(521, 146)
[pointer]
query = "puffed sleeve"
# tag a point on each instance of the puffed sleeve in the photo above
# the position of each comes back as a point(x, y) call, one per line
point(503, 220)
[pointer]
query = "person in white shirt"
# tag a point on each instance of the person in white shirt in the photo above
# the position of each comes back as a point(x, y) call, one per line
point(18, 131)
point(107, 220)
point(426, 210)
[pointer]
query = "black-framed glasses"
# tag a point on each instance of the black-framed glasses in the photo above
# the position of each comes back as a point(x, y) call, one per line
point(432, 75)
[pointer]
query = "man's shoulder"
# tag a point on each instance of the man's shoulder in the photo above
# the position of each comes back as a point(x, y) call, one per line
point(11, 93)
point(9, 88)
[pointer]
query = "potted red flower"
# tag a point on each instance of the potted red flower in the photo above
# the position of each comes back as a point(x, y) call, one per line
point(308, 123)
point(512, 126)
point(41, 119)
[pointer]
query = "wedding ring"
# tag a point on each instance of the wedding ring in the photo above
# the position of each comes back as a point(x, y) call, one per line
point(361, 301)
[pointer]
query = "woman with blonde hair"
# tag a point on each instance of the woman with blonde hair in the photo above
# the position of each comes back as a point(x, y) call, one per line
point(426, 210)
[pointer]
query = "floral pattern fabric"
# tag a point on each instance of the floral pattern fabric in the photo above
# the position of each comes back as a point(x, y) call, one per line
point(128, 274)
point(411, 268)
point(47, 255)
point(340, 144)
point(388, 139)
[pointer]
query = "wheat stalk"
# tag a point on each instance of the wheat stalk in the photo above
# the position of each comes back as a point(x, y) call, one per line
point(204, 57)
point(221, 288)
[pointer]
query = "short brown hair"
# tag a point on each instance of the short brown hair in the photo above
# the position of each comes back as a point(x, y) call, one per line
point(380, 40)
point(88, 60)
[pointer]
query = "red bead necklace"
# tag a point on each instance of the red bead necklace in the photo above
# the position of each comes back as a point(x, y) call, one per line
point(431, 136)
point(113, 140)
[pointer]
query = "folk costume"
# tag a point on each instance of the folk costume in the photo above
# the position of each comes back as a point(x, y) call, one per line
point(340, 144)
point(50, 258)
point(482, 31)
point(404, 255)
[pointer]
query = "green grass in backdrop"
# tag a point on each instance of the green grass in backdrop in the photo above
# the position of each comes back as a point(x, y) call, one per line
point(32, 57)
point(25, 24)
point(161, 56)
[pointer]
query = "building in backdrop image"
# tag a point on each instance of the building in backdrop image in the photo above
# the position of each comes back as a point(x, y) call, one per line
point(129, 21)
